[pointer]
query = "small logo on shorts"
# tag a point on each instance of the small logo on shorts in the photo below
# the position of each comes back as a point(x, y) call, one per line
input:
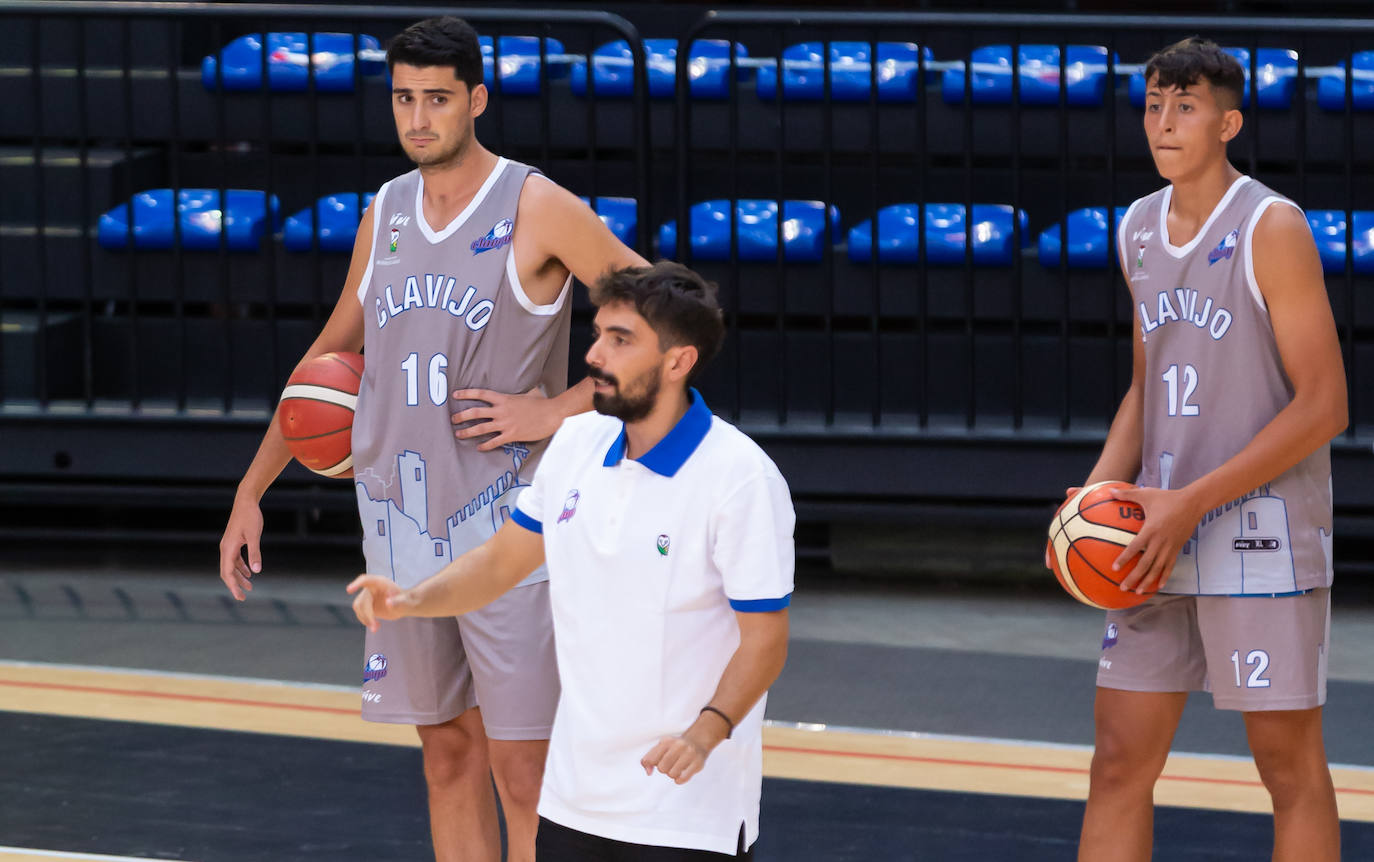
point(1109, 640)
point(375, 668)
point(569, 507)
point(663, 545)
point(371, 697)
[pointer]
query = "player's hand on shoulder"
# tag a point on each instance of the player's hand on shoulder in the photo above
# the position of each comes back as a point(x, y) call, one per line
point(678, 757)
point(1170, 518)
point(524, 418)
point(377, 598)
point(242, 533)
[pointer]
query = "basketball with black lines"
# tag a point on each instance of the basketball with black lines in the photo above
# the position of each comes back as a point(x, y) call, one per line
point(316, 412)
point(1087, 534)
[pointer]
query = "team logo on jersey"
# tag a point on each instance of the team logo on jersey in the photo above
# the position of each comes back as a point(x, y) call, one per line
point(395, 237)
point(375, 667)
point(1140, 258)
point(1142, 235)
point(569, 507)
point(499, 235)
point(663, 541)
point(1225, 248)
point(1109, 640)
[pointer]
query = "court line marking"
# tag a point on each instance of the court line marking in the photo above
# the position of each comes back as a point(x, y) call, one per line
point(61, 854)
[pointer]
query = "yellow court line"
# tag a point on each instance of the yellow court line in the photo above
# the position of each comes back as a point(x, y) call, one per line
point(807, 752)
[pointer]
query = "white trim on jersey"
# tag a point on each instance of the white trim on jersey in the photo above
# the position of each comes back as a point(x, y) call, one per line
point(462, 217)
point(1183, 251)
point(523, 298)
point(1249, 257)
point(372, 249)
point(1123, 253)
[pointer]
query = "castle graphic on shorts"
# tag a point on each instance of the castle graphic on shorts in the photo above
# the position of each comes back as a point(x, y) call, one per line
point(396, 537)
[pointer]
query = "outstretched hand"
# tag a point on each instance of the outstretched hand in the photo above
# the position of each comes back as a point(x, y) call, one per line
point(524, 418)
point(377, 598)
point(1170, 519)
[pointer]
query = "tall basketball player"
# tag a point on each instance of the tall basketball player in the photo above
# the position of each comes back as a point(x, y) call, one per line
point(1237, 389)
point(459, 290)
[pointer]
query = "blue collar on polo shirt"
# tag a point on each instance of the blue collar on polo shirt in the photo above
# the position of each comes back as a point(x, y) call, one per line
point(670, 453)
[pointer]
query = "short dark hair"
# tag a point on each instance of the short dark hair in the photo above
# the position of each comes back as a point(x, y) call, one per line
point(1184, 63)
point(680, 306)
point(443, 41)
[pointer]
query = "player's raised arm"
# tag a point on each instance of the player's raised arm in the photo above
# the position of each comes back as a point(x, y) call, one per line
point(342, 332)
point(472, 581)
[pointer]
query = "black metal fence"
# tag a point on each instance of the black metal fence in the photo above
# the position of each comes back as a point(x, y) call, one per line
point(965, 359)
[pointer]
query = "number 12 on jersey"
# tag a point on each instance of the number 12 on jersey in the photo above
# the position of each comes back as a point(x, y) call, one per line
point(1181, 406)
point(438, 380)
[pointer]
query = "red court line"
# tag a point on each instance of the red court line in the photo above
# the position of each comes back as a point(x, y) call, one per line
point(1031, 767)
point(196, 698)
point(909, 758)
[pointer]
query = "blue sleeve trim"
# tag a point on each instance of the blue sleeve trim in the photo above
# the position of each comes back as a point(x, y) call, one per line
point(758, 606)
point(526, 521)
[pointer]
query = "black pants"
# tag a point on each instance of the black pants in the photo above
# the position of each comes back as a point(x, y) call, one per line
point(557, 843)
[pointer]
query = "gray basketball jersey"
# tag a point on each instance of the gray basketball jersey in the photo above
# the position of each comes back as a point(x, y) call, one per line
point(443, 310)
point(1213, 379)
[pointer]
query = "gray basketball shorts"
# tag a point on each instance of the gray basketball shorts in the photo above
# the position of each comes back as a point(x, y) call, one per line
point(1252, 653)
point(500, 657)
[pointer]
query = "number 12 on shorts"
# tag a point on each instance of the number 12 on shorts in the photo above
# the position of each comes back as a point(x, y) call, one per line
point(1259, 660)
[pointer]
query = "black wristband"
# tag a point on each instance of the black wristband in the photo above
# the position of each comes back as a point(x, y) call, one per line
point(729, 725)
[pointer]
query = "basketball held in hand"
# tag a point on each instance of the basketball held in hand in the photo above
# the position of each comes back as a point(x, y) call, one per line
point(316, 412)
point(1087, 534)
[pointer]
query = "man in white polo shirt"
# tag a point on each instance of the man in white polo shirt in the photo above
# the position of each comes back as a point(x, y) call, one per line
point(668, 538)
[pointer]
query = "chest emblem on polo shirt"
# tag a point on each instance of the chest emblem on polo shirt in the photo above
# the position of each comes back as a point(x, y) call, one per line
point(663, 541)
point(569, 507)
point(1225, 248)
point(499, 235)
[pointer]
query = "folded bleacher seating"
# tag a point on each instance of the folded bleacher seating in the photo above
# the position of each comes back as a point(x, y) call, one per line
point(288, 62)
point(803, 231)
point(1091, 240)
point(1331, 88)
point(519, 62)
point(338, 216)
point(244, 221)
point(1329, 229)
point(945, 233)
point(1085, 76)
point(1276, 68)
point(803, 75)
point(709, 69)
point(621, 215)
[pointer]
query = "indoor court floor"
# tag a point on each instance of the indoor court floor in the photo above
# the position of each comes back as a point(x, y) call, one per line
point(145, 715)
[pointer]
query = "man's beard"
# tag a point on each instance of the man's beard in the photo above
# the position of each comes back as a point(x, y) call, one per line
point(626, 407)
point(438, 159)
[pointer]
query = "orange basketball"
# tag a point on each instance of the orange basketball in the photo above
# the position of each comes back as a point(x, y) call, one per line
point(316, 412)
point(1087, 534)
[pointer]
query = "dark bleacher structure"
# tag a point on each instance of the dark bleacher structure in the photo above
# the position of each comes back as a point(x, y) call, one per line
point(179, 193)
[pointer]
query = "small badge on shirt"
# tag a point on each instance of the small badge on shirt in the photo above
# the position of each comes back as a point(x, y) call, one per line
point(395, 238)
point(663, 545)
point(569, 507)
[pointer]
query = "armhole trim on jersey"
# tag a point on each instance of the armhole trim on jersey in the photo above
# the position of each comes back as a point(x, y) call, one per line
point(523, 298)
point(1250, 279)
point(372, 251)
point(1122, 254)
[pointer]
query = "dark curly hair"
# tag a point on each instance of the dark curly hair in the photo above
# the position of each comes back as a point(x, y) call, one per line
point(680, 306)
point(1194, 59)
point(444, 41)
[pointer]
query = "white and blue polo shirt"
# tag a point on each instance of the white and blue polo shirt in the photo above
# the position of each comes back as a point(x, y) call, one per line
point(649, 559)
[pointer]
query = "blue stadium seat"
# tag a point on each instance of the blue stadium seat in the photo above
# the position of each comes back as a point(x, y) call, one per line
point(1329, 230)
point(1091, 239)
point(1086, 76)
point(338, 219)
point(944, 235)
point(614, 71)
point(288, 62)
point(245, 220)
point(1331, 88)
point(1276, 68)
point(850, 75)
point(621, 215)
point(756, 224)
point(519, 63)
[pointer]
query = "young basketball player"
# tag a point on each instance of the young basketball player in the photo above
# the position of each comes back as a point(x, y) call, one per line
point(668, 536)
point(458, 288)
point(1237, 389)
